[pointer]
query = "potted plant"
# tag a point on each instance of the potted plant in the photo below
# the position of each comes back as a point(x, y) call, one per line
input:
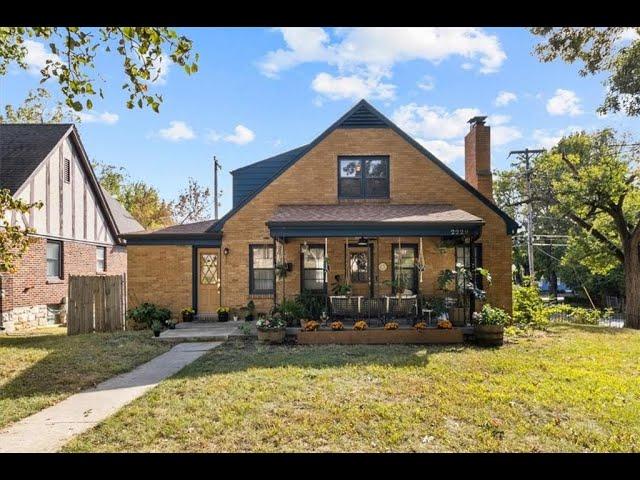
point(489, 325)
point(337, 326)
point(171, 324)
point(188, 314)
point(223, 314)
point(251, 311)
point(340, 287)
point(391, 326)
point(311, 326)
point(360, 325)
point(156, 327)
point(271, 330)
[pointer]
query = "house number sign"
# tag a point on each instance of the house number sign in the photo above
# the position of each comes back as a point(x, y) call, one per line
point(382, 267)
point(459, 231)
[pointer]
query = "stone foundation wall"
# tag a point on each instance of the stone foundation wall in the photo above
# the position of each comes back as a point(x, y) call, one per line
point(23, 318)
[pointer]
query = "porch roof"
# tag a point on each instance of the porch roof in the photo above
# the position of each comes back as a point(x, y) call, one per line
point(372, 220)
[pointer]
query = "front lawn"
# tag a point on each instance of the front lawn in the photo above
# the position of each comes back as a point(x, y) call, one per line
point(45, 366)
point(572, 389)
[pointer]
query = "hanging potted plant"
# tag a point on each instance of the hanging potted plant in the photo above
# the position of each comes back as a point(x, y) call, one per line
point(271, 329)
point(489, 325)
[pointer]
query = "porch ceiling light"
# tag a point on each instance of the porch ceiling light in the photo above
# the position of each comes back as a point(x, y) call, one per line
point(363, 242)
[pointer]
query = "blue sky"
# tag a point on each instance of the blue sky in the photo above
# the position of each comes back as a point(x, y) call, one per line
point(259, 92)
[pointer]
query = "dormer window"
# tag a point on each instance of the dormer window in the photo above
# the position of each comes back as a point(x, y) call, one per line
point(363, 177)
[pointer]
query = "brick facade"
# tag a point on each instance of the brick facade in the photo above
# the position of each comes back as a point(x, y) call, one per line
point(26, 293)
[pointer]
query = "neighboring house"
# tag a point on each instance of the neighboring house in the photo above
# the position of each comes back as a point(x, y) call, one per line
point(77, 231)
point(363, 196)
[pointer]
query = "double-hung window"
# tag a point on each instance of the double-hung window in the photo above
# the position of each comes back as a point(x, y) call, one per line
point(404, 268)
point(363, 177)
point(54, 259)
point(313, 276)
point(101, 259)
point(261, 269)
point(463, 257)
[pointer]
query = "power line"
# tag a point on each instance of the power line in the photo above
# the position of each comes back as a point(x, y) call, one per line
point(525, 156)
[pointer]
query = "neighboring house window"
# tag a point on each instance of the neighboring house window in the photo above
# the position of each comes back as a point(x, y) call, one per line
point(101, 259)
point(404, 268)
point(54, 259)
point(363, 177)
point(313, 278)
point(359, 262)
point(463, 256)
point(66, 172)
point(261, 269)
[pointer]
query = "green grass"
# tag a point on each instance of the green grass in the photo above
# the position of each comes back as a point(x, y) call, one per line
point(45, 366)
point(571, 389)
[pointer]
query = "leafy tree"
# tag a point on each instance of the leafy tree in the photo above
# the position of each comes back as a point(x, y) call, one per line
point(37, 108)
point(142, 201)
point(74, 51)
point(593, 180)
point(14, 240)
point(192, 204)
point(601, 50)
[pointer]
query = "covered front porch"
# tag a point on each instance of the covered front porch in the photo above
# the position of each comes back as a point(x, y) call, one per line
point(376, 262)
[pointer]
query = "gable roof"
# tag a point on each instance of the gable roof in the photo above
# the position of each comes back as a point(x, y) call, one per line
point(124, 220)
point(364, 115)
point(248, 179)
point(23, 148)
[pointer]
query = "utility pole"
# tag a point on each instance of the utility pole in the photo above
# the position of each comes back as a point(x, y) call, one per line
point(526, 155)
point(216, 167)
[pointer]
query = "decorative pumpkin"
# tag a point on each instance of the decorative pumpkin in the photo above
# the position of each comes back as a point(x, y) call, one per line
point(445, 324)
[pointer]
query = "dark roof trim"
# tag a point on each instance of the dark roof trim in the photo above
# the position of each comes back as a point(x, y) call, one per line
point(511, 224)
point(377, 229)
point(199, 239)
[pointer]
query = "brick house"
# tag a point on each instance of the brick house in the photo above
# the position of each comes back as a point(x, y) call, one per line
point(77, 231)
point(363, 201)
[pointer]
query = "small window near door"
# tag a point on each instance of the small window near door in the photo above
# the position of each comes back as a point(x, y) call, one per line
point(54, 259)
point(208, 269)
point(261, 269)
point(101, 259)
point(313, 275)
point(359, 267)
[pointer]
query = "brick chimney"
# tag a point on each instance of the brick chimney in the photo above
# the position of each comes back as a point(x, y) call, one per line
point(477, 157)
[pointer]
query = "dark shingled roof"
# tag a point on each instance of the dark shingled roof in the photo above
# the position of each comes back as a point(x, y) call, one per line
point(378, 213)
point(23, 147)
point(184, 229)
point(124, 220)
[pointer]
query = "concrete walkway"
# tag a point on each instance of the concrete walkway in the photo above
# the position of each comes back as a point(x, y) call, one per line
point(50, 429)
point(208, 331)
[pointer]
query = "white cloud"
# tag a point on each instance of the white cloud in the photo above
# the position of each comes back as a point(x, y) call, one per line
point(445, 151)
point(629, 35)
point(104, 117)
point(467, 66)
point(427, 83)
point(503, 134)
point(177, 131)
point(241, 136)
point(37, 56)
point(352, 87)
point(364, 56)
point(379, 48)
point(547, 139)
point(499, 119)
point(504, 98)
point(564, 102)
point(425, 121)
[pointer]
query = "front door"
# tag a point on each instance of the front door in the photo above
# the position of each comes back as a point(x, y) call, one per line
point(208, 281)
point(360, 260)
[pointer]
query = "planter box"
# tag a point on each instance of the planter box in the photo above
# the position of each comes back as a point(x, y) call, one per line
point(272, 336)
point(489, 335)
point(381, 337)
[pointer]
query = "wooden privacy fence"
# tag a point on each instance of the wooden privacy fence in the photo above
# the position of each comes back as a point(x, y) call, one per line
point(95, 304)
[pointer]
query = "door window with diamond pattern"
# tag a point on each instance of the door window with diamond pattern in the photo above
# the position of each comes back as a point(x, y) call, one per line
point(208, 269)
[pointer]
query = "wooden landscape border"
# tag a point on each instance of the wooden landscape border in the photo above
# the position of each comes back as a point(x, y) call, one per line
point(381, 337)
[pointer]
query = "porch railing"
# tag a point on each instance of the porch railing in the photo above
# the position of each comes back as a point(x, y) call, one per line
point(383, 308)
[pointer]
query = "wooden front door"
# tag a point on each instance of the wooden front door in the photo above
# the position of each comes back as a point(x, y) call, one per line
point(208, 280)
point(360, 261)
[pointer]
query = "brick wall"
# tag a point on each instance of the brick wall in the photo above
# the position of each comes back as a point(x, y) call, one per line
point(29, 286)
point(313, 180)
point(160, 274)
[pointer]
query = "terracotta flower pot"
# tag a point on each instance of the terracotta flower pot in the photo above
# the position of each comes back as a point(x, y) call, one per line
point(271, 336)
point(489, 335)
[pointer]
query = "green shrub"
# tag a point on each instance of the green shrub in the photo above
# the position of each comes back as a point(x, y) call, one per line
point(146, 313)
point(571, 314)
point(527, 305)
point(291, 311)
point(491, 316)
point(312, 303)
